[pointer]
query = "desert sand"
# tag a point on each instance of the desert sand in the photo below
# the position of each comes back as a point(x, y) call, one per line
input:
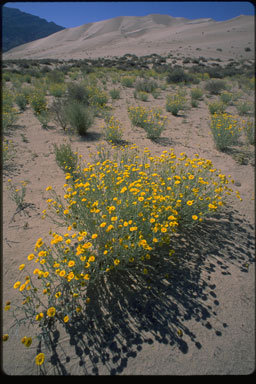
point(159, 34)
point(203, 321)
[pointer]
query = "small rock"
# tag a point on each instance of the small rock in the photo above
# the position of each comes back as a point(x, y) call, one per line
point(237, 184)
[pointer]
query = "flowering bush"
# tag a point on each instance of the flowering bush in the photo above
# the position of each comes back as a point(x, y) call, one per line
point(175, 103)
point(112, 130)
point(225, 130)
point(38, 102)
point(117, 211)
point(150, 120)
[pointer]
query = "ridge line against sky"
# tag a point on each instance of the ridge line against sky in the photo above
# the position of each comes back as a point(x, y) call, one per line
point(73, 14)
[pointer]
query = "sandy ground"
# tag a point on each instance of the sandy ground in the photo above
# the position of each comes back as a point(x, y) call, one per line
point(209, 297)
point(202, 320)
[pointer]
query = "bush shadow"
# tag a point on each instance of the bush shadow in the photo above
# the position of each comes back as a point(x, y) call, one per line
point(129, 309)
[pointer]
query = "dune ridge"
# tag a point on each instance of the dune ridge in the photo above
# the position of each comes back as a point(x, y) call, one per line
point(143, 35)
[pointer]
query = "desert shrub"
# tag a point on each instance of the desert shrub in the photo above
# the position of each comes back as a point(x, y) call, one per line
point(38, 101)
point(57, 89)
point(249, 129)
point(215, 86)
point(225, 130)
point(116, 213)
point(8, 152)
point(140, 95)
point(178, 75)
point(78, 93)
point(56, 76)
point(226, 97)
point(79, 117)
point(114, 93)
point(244, 108)
point(112, 130)
point(175, 103)
point(44, 118)
point(66, 159)
point(9, 113)
point(196, 93)
point(97, 98)
point(128, 81)
point(58, 111)
point(216, 107)
point(147, 86)
point(150, 120)
point(21, 101)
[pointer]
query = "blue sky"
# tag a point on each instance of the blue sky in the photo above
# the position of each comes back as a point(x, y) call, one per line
point(73, 14)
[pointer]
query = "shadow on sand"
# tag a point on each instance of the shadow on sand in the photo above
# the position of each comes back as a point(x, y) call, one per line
point(131, 308)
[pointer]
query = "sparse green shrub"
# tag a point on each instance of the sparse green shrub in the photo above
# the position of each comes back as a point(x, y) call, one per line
point(226, 97)
point(57, 89)
point(216, 107)
point(66, 159)
point(59, 112)
point(196, 93)
point(128, 81)
point(140, 95)
point(80, 117)
point(249, 129)
point(114, 93)
point(178, 75)
point(44, 118)
point(21, 101)
point(147, 86)
point(244, 108)
point(215, 86)
point(78, 93)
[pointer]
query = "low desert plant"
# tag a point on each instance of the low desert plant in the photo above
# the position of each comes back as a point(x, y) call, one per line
point(215, 86)
point(216, 107)
point(244, 108)
point(38, 101)
point(196, 93)
point(21, 101)
point(150, 120)
point(225, 130)
point(175, 103)
point(115, 215)
point(80, 117)
point(66, 159)
point(59, 112)
point(57, 89)
point(147, 86)
point(114, 93)
point(249, 129)
point(44, 118)
point(226, 97)
point(112, 130)
point(128, 81)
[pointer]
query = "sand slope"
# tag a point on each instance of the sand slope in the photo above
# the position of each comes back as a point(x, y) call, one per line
point(142, 36)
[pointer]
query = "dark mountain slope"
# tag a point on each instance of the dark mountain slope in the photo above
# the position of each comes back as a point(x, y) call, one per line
point(20, 28)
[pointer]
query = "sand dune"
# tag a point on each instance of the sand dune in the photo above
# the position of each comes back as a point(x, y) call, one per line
point(145, 35)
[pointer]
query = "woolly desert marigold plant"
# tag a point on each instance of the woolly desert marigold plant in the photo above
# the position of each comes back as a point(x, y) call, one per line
point(115, 213)
point(225, 130)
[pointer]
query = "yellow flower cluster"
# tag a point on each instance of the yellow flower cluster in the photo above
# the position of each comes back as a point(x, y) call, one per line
point(151, 120)
point(175, 103)
point(112, 130)
point(225, 130)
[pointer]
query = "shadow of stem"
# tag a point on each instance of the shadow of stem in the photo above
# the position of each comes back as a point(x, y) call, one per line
point(130, 308)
